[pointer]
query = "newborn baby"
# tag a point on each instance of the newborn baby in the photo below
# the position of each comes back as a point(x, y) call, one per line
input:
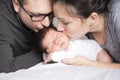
point(58, 46)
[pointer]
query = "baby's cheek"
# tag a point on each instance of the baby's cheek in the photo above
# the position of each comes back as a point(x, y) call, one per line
point(57, 48)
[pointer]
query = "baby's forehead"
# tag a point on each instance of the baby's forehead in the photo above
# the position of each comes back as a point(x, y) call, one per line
point(49, 38)
point(50, 35)
point(51, 31)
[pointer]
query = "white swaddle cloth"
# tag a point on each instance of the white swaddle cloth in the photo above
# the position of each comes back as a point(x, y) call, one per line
point(87, 48)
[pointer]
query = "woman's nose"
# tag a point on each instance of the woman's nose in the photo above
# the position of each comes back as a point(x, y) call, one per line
point(60, 28)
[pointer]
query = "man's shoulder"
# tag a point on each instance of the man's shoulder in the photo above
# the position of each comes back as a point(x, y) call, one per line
point(4, 3)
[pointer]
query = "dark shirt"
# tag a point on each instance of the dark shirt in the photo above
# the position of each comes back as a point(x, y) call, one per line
point(18, 46)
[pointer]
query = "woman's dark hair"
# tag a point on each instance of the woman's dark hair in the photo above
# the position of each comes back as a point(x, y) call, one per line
point(84, 8)
point(22, 1)
point(41, 35)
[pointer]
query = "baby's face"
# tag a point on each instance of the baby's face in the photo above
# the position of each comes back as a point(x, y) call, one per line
point(55, 41)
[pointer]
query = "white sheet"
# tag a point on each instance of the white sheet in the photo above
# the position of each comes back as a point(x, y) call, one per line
point(59, 71)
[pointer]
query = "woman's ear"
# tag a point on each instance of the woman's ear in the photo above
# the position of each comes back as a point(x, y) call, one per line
point(16, 5)
point(93, 20)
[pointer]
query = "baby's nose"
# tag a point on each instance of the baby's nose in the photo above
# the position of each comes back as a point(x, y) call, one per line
point(58, 42)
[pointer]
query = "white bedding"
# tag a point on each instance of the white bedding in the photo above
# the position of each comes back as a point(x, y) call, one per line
point(59, 71)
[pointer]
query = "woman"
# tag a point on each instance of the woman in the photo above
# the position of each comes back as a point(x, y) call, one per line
point(98, 19)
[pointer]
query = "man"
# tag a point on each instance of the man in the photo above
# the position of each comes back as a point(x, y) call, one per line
point(20, 20)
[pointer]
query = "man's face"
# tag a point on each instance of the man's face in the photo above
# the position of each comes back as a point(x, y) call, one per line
point(55, 41)
point(34, 13)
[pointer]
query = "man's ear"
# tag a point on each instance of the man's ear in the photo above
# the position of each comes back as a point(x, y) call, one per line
point(16, 5)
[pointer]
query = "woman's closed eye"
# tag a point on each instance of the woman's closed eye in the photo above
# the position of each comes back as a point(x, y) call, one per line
point(65, 23)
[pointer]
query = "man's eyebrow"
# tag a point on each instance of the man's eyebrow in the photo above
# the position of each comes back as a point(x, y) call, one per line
point(32, 13)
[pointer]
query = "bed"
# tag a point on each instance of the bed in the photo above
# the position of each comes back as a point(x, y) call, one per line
point(59, 71)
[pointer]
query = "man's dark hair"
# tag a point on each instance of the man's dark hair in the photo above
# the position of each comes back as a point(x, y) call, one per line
point(22, 1)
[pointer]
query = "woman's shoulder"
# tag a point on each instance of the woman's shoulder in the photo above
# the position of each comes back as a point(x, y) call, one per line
point(113, 17)
point(114, 5)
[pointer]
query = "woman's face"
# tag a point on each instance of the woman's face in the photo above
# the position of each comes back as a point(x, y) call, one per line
point(73, 26)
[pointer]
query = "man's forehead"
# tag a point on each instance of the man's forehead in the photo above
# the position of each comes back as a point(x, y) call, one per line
point(39, 6)
point(39, 2)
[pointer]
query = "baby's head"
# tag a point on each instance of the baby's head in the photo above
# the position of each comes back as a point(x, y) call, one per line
point(51, 40)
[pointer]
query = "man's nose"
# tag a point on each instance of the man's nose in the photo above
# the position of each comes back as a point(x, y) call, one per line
point(46, 22)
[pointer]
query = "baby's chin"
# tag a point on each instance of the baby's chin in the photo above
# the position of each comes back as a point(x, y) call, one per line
point(65, 46)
